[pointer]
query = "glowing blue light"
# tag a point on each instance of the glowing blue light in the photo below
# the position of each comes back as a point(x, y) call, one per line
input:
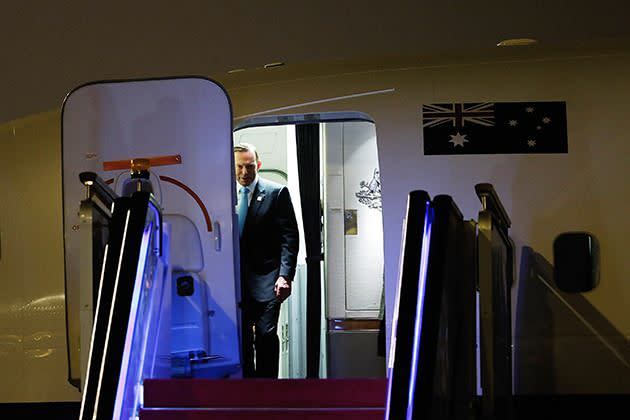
point(422, 280)
point(426, 238)
point(122, 379)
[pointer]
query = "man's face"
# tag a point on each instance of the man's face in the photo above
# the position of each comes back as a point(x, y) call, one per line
point(246, 167)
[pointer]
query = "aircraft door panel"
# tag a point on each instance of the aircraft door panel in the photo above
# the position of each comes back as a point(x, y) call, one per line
point(183, 128)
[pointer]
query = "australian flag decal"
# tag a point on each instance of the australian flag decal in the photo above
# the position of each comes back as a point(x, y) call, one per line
point(494, 127)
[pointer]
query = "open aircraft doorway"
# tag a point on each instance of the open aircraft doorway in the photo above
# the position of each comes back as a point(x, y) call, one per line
point(332, 325)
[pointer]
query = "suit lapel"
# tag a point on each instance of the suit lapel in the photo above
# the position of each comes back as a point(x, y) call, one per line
point(258, 199)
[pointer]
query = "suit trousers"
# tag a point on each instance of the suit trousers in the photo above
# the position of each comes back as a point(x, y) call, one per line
point(261, 346)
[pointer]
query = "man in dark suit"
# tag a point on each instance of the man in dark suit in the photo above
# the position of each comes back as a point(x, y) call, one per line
point(269, 247)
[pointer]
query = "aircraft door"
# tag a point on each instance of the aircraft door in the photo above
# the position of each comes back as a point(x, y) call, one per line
point(182, 129)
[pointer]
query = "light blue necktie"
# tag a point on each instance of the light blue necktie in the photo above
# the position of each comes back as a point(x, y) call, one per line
point(241, 209)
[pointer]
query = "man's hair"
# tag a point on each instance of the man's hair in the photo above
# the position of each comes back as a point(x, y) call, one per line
point(246, 147)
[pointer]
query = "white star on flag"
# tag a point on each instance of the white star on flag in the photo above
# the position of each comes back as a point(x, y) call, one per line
point(529, 109)
point(513, 123)
point(531, 143)
point(458, 139)
point(546, 120)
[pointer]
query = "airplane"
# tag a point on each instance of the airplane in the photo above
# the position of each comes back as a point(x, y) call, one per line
point(545, 194)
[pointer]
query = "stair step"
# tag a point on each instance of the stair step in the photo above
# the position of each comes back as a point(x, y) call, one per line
point(262, 414)
point(265, 393)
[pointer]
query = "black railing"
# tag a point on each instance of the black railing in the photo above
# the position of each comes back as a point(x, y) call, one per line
point(433, 371)
point(113, 379)
point(433, 358)
point(495, 252)
point(81, 287)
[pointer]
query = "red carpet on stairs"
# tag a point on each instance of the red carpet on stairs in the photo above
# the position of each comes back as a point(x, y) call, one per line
point(264, 399)
point(261, 415)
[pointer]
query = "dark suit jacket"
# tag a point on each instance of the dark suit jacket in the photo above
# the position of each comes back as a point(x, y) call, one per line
point(269, 244)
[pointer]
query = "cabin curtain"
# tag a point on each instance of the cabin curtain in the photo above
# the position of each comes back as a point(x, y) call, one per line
point(307, 142)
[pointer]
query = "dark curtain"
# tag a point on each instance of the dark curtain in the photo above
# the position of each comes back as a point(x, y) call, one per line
point(307, 139)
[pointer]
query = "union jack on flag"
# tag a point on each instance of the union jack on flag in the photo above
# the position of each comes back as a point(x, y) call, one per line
point(458, 114)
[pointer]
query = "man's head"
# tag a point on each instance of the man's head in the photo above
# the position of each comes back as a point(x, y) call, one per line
point(246, 163)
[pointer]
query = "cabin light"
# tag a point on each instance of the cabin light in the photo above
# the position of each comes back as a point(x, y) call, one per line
point(517, 42)
point(235, 71)
point(272, 65)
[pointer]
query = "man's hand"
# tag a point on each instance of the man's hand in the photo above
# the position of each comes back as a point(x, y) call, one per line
point(282, 289)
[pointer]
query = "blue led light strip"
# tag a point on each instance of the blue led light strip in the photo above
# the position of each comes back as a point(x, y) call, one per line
point(124, 366)
point(422, 280)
